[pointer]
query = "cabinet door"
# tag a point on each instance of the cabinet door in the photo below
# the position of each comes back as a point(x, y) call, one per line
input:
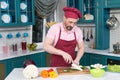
point(8, 12)
point(16, 13)
point(86, 7)
point(15, 63)
point(96, 58)
point(39, 59)
point(26, 12)
point(85, 60)
point(102, 32)
point(112, 3)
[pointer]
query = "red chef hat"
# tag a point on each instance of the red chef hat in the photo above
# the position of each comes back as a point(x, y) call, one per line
point(71, 12)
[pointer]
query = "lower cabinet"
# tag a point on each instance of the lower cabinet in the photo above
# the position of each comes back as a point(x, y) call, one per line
point(97, 58)
point(91, 58)
point(85, 60)
point(39, 59)
point(14, 63)
point(8, 65)
point(113, 60)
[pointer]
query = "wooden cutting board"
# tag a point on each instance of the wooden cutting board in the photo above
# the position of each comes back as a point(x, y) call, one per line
point(69, 71)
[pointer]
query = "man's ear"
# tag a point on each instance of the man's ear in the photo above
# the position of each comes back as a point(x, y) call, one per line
point(64, 18)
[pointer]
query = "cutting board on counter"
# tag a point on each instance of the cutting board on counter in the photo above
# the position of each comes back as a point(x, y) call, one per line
point(69, 71)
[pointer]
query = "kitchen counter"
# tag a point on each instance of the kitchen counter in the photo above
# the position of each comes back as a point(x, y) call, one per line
point(102, 52)
point(4, 56)
point(17, 74)
point(87, 50)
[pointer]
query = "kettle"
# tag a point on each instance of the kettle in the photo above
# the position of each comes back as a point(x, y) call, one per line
point(112, 22)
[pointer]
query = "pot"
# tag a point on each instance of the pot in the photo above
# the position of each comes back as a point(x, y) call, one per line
point(116, 48)
point(112, 22)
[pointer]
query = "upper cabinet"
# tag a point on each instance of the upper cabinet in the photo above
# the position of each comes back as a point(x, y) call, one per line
point(112, 3)
point(86, 7)
point(16, 12)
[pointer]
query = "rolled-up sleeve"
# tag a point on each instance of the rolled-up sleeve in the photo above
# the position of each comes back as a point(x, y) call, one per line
point(79, 35)
point(51, 33)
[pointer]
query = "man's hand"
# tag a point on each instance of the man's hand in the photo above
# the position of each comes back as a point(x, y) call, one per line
point(67, 57)
point(76, 62)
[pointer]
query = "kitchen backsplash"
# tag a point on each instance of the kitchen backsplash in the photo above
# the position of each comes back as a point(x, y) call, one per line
point(12, 36)
point(88, 35)
point(114, 34)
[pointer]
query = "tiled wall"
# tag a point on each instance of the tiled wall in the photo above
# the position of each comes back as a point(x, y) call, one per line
point(115, 34)
point(91, 42)
point(14, 40)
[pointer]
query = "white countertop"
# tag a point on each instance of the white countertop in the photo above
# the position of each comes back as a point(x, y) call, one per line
point(16, 74)
point(4, 56)
point(87, 50)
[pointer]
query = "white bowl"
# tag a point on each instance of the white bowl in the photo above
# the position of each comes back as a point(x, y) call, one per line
point(6, 18)
point(24, 18)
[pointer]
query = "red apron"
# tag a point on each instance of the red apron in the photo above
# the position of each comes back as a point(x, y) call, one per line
point(67, 46)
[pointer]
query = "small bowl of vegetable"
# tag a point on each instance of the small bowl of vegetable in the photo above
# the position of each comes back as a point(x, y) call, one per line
point(97, 70)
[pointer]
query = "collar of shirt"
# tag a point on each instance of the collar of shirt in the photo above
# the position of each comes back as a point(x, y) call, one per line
point(62, 29)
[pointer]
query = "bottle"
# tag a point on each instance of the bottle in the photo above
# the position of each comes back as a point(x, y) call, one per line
point(24, 44)
point(14, 47)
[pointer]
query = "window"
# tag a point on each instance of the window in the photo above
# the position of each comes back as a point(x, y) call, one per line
point(39, 29)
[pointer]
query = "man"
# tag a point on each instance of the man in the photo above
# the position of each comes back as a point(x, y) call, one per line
point(62, 39)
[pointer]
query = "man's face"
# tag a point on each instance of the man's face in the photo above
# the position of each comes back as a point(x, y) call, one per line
point(69, 23)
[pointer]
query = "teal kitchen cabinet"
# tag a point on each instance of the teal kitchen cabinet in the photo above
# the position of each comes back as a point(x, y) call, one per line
point(111, 3)
point(97, 58)
point(102, 12)
point(101, 30)
point(86, 7)
point(39, 59)
point(91, 58)
point(85, 60)
point(16, 13)
point(17, 62)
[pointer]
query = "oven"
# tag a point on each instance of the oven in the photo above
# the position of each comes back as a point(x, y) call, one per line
point(113, 61)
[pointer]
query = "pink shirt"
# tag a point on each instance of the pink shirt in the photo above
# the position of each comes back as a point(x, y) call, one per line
point(54, 30)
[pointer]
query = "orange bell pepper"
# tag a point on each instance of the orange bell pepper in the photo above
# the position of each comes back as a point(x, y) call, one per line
point(44, 74)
